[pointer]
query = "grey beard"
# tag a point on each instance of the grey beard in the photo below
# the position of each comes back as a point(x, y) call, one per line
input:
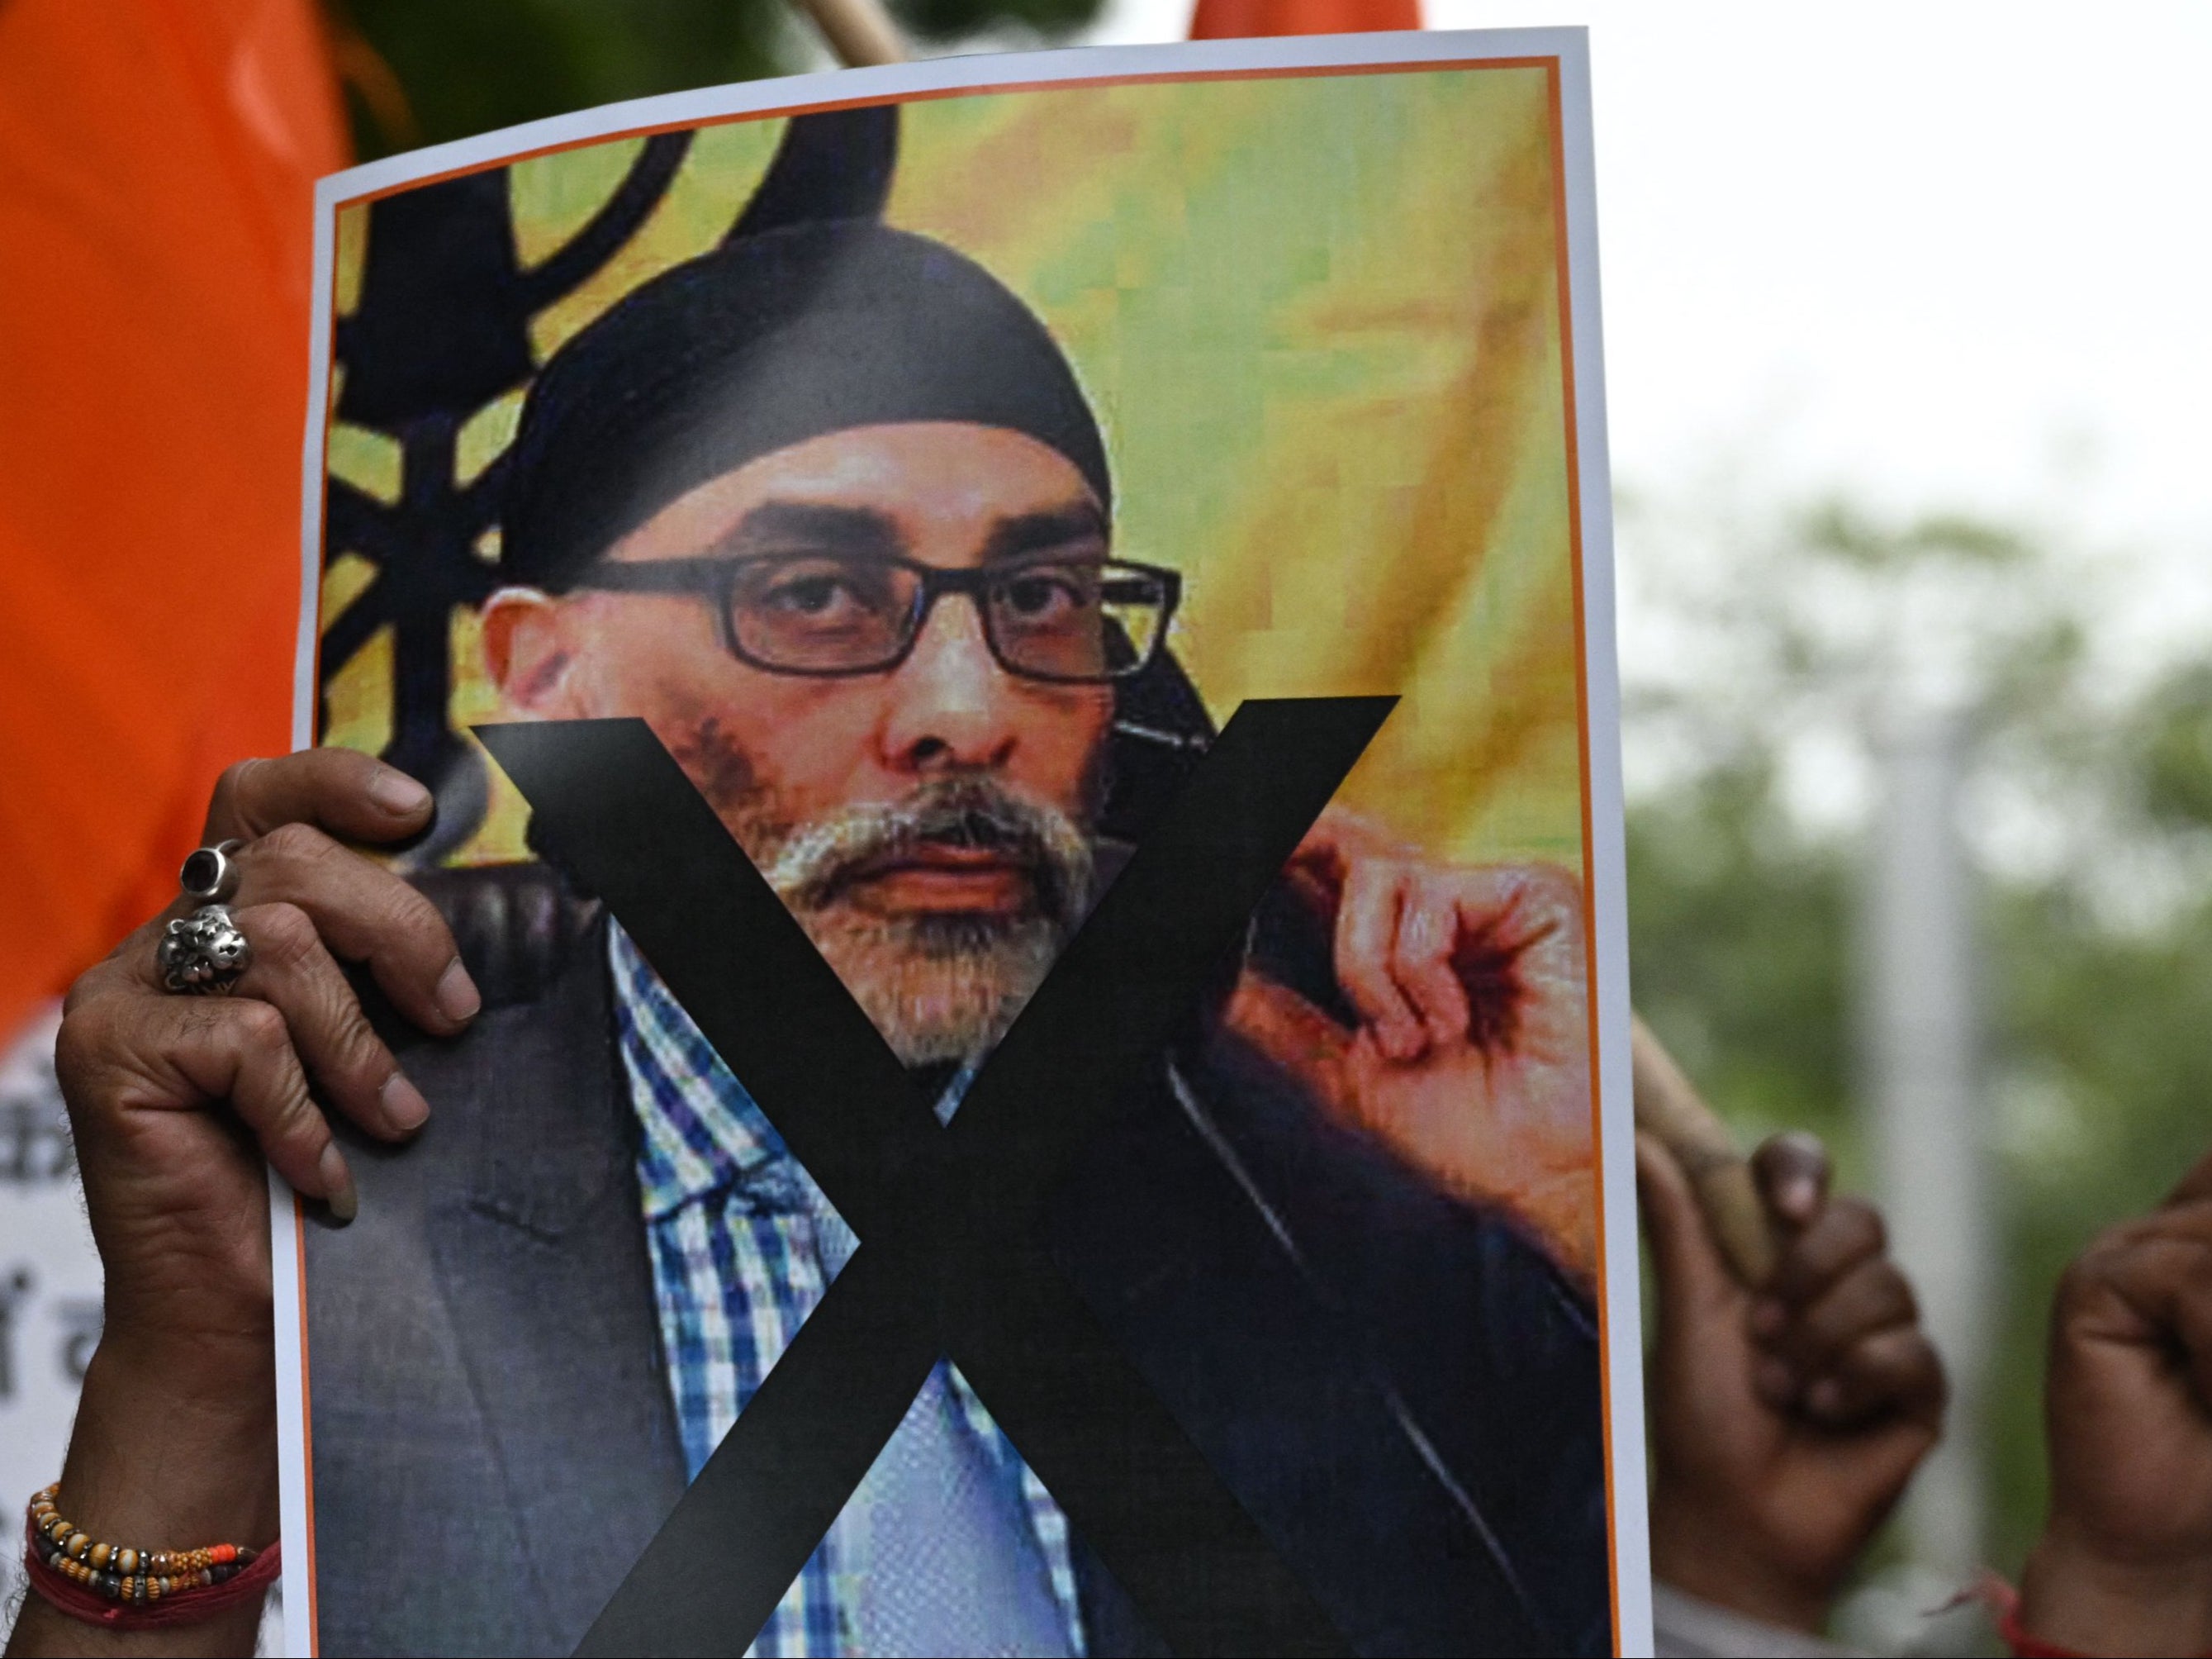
point(938, 988)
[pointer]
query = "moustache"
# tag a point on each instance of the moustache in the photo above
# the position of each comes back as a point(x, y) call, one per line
point(820, 859)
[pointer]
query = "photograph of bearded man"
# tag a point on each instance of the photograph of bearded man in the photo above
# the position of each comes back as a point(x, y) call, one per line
point(827, 508)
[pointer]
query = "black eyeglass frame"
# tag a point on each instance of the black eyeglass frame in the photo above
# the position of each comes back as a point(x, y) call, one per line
point(713, 577)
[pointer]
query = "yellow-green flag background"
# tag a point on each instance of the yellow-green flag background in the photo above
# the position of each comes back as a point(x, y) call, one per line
point(1319, 318)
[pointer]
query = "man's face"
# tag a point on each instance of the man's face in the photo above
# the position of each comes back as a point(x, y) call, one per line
point(925, 821)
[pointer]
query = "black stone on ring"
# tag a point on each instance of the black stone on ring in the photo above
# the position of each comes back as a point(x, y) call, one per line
point(210, 875)
point(203, 954)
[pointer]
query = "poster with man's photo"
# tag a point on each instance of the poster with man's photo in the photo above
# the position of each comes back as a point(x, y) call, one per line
point(1016, 658)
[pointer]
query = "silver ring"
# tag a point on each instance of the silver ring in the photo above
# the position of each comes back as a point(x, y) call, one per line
point(211, 874)
point(203, 954)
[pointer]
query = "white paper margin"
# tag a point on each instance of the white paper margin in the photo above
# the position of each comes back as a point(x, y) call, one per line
point(284, 1241)
point(1605, 855)
point(1607, 863)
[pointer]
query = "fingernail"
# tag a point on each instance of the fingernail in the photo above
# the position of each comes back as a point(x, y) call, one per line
point(1825, 1398)
point(338, 1185)
point(457, 997)
point(405, 1108)
point(398, 793)
point(1798, 1197)
point(1766, 1316)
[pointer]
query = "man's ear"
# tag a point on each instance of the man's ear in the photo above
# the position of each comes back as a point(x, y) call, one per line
point(526, 649)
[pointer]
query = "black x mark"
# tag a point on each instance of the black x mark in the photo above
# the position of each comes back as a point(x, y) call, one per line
point(949, 1264)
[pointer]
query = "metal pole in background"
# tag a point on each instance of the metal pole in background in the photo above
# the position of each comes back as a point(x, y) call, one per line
point(1919, 999)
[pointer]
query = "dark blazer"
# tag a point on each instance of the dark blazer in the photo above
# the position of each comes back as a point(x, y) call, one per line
point(1401, 1390)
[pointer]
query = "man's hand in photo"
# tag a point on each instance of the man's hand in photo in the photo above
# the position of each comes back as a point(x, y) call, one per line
point(1471, 1059)
point(1786, 1420)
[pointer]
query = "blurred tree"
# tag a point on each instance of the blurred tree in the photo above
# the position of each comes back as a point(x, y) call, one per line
point(953, 20)
point(1752, 650)
point(2176, 753)
point(461, 70)
point(423, 71)
point(1738, 946)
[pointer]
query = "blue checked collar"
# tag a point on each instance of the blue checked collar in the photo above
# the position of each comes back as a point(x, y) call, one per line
point(704, 1134)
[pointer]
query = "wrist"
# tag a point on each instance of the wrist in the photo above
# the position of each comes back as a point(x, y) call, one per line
point(188, 1309)
point(203, 1361)
point(1710, 1556)
point(175, 1444)
point(2080, 1594)
point(1561, 1210)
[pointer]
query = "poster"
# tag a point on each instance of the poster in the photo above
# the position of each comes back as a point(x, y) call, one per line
point(1016, 654)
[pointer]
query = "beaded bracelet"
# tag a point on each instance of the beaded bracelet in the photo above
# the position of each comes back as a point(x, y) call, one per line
point(132, 1578)
point(123, 1574)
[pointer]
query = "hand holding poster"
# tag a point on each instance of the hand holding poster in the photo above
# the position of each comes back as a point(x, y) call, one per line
point(1016, 656)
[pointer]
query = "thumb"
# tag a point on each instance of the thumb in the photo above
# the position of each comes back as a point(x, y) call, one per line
point(1685, 1261)
point(1792, 1170)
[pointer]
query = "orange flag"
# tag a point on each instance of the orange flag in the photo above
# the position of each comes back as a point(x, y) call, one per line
point(1242, 20)
point(155, 163)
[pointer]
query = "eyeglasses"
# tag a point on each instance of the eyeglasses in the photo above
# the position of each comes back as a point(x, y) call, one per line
point(1071, 621)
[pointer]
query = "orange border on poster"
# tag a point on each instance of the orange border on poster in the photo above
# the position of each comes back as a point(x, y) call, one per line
point(1566, 300)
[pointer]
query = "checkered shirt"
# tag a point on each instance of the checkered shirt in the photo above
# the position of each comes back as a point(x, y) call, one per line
point(740, 1235)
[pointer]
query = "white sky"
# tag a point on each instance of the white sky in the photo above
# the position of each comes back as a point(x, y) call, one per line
point(1941, 256)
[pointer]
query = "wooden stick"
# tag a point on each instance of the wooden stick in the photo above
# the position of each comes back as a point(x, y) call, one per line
point(1669, 1108)
point(860, 32)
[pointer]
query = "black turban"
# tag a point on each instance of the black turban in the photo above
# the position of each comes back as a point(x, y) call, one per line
point(794, 328)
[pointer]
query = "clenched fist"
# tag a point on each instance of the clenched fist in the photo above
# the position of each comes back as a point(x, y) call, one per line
point(2125, 1564)
point(1785, 1418)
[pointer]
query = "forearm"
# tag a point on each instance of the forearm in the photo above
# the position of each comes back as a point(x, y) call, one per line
point(174, 1447)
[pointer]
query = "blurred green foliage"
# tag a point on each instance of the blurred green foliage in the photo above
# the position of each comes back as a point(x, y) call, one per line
point(1738, 940)
point(2096, 996)
point(2176, 750)
point(460, 69)
point(950, 20)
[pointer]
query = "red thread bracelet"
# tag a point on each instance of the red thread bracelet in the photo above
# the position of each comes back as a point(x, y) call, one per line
point(2003, 1602)
point(2025, 1643)
point(186, 1608)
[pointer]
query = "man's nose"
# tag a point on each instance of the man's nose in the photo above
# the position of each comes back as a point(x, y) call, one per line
point(952, 706)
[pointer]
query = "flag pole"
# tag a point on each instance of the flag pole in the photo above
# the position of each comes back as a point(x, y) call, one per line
point(1669, 1109)
point(860, 32)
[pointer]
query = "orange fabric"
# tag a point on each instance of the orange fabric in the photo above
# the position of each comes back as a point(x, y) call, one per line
point(1241, 19)
point(155, 214)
